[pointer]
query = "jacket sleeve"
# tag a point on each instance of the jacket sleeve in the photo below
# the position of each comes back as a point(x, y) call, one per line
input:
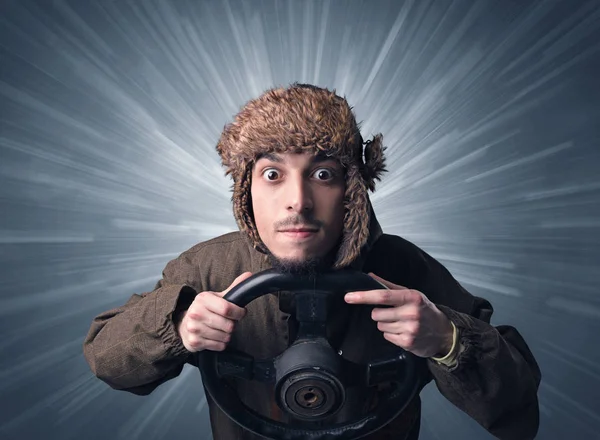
point(136, 347)
point(496, 377)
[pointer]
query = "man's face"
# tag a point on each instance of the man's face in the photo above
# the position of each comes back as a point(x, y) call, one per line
point(298, 204)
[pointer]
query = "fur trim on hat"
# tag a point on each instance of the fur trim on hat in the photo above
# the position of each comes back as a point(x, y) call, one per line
point(303, 118)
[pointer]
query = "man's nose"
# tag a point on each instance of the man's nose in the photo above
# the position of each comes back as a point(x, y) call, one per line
point(299, 195)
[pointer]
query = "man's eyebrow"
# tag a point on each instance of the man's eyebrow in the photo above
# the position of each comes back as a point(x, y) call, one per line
point(274, 157)
point(322, 157)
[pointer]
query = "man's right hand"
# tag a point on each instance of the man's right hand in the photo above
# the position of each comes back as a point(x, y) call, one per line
point(209, 321)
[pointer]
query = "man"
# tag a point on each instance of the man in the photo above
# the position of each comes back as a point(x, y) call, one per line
point(301, 177)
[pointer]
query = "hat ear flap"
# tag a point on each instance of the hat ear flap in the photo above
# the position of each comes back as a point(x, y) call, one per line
point(374, 161)
point(356, 220)
point(242, 207)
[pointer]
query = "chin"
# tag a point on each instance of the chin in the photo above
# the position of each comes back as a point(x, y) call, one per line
point(298, 256)
point(300, 263)
point(299, 252)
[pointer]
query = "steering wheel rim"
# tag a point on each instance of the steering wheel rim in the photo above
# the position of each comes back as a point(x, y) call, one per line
point(226, 398)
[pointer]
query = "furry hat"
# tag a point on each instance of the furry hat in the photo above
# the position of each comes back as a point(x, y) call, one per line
point(303, 118)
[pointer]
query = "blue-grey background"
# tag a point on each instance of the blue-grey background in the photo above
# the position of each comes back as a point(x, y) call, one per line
point(109, 114)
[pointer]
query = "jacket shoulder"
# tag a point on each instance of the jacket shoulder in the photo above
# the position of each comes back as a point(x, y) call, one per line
point(225, 250)
point(216, 262)
point(230, 239)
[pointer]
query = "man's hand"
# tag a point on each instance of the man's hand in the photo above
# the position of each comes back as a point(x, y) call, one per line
point(209, 321)
point(412, 322)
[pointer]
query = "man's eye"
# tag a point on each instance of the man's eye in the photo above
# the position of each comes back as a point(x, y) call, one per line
point(323, 174)
point(270, 174)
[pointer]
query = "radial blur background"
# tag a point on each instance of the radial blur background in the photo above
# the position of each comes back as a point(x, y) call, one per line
point(109, 116)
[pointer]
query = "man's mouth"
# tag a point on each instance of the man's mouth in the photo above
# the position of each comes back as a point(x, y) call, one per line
point(299, 232)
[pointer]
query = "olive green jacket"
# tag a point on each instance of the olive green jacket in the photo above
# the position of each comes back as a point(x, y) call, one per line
point(495, 380)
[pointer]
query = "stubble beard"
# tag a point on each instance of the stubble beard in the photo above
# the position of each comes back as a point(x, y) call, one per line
point(309, 266)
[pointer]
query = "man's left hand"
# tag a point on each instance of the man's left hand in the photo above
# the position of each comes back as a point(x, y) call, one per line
point(412, 322)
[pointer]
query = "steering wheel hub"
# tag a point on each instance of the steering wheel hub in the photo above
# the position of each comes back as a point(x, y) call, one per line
point(308, 382)
point(311, 394)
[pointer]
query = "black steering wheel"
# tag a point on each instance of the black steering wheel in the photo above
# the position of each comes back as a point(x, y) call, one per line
point(310, 377)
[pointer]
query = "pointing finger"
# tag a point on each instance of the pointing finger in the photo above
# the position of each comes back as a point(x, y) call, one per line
point(381, 296)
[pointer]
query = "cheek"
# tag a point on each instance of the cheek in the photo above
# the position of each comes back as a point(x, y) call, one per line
point(334, 213)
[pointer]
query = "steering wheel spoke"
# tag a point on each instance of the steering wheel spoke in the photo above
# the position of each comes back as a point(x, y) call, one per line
point(392, 368)
point(236, 363)
point(387, 369)
point(311, 314)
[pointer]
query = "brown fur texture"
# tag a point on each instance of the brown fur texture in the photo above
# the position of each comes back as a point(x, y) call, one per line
point(303, 118)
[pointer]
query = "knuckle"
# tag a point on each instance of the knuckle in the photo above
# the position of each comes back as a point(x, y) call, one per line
point(205, 297)
point(386, 295)
point(190, 327)
point(408, 340)
point(229, 326)
point(415, 314)
point(195, 313)
point(226, 308)
point(416, 297)
point(193, 341)
point(412, 317)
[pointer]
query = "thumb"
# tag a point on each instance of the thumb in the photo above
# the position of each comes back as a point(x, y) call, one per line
point(235, 282)
point(387, 283)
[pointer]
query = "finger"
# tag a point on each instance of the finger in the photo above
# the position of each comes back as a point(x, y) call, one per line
point(195, 343)
point(390, 327)
point(214, 303)
point(208, 333)
point(218, 322)
point(235, 282)
point(214, 345)
point(400, 327)
point(387, 283)
point(405, 313)
point(407, 342)
point(381, 296)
